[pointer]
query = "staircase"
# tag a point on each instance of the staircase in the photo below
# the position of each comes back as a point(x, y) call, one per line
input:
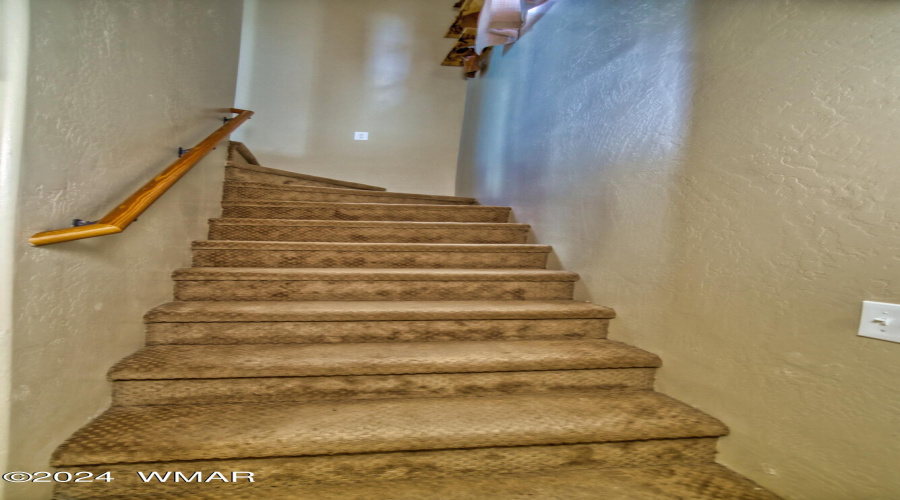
point(340, 341)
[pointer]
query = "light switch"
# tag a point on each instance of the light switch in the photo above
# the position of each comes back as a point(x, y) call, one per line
point(880, 320)
point(360, 136)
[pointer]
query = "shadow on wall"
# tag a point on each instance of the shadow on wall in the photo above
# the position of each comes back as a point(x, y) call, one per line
point(317, 71)
point(534, 15)
point(720, 172)
point(599, 91)
point(284, 117)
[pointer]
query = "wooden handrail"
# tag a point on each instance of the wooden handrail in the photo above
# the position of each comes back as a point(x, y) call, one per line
point(128, 211)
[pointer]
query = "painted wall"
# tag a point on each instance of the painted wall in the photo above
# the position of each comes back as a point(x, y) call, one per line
point(14, 31)
point(114, 87)
point(316, 71)
point(723, 173)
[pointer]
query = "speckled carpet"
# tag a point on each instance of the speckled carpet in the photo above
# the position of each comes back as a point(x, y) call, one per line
point(340, 341)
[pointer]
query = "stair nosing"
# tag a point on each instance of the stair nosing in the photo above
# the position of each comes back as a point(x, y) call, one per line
point(354, 311)
point(276, 246)
point(245, 430)
point(365, 358)
point(346, 191)
point(259, 203)
point(481, 226)
point(369, 274)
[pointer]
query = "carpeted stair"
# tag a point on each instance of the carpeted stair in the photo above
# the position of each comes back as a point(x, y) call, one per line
point(344, 342)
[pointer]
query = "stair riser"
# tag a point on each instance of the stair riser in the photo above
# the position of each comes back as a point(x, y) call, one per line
point(233, 174)
point(321, 259)
point(373, 290)
point(264, 390)
point(255, 194)
point(319, 332)
point(348, 469)
point(364, 234)
point(369, 213)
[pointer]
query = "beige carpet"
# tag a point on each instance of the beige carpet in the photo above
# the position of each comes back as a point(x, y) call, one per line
point(341, 341)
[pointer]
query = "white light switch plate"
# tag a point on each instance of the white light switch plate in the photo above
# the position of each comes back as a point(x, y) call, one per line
point(880, 321)
point(360, 136)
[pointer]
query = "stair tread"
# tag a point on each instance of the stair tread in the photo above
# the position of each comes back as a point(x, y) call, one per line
point(506, 226)
point(323, 210)
point(192, 432)
point(671, 482)
point(311, 360)
point(354, 192)
point(366, 274)
point(258, 311)
point(370, 247)
point(280, 203)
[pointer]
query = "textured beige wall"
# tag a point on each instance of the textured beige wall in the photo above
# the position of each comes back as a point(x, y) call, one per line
point(14, 31)
point(114, 87)
point(318, 70)
point(723, 173)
